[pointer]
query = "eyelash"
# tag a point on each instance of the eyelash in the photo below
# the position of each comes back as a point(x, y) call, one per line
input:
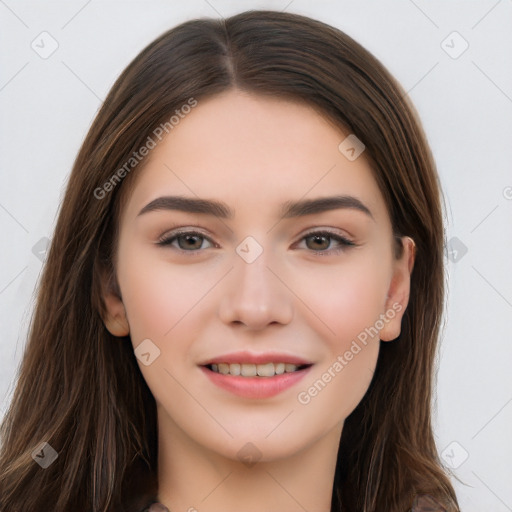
point(167, 240)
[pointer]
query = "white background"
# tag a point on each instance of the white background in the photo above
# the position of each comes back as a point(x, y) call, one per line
point(465, 104)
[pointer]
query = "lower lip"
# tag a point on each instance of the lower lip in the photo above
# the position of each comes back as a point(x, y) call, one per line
point(256, 387)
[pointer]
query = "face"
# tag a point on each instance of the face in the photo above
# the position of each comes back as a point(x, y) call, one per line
point(316, 288)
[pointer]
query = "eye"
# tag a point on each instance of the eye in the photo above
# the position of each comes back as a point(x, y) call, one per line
point(317, 241)
point(320, 242)
point(187, 241)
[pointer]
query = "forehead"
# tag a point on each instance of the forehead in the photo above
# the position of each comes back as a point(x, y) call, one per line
point(254, 152)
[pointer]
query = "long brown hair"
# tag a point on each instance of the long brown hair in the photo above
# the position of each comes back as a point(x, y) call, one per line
point(80, 389)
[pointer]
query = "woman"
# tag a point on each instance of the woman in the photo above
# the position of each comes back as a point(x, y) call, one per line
point(241, 303)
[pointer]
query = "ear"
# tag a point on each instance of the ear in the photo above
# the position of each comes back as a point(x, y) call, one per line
point(115, 315)
point(399, 289)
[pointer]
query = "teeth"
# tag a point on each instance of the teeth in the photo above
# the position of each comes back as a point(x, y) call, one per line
point(223, 368)
point(248, 370)
point(253, 370)
point(235, 369)
point(266, 370)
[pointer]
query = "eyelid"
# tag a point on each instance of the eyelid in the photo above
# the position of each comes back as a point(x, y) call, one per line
point(331, 231)
point(345, 241)
point(169, 236)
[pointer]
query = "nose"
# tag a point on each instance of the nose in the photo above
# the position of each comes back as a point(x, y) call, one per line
point(255, 294)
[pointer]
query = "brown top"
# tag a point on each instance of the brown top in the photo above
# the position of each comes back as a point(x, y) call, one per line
point(156, 507)
point(422, 503)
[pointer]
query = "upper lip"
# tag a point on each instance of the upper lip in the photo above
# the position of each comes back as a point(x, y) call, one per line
point(250, 357)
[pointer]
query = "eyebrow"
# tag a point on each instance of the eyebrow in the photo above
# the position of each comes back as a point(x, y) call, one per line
point(289, 209)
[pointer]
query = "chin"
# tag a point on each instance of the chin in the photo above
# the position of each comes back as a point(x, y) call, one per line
point(250, 448)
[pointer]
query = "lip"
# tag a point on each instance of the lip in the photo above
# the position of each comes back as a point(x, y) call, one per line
point(256, 387)
point(252, 358)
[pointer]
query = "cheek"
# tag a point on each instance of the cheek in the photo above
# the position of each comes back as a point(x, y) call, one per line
point(347, 302)
point(159, 296)
point(336, 388)
point(346, 298)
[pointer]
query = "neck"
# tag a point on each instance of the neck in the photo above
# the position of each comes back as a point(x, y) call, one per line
point(193, 478)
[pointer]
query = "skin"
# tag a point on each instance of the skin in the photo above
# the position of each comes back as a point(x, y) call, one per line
point(254, 153)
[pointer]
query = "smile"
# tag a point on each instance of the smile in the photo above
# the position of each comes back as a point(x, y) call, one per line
point(255, 370)
point(260, 380)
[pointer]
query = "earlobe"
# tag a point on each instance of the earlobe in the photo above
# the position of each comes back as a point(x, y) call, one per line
point(399, 291)
point(115, 319)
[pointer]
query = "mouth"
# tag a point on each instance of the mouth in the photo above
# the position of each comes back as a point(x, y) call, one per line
point(265, 370)
point(256, 379)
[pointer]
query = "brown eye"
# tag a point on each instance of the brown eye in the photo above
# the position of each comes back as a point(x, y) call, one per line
point(189, 241)
point(320, 242)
